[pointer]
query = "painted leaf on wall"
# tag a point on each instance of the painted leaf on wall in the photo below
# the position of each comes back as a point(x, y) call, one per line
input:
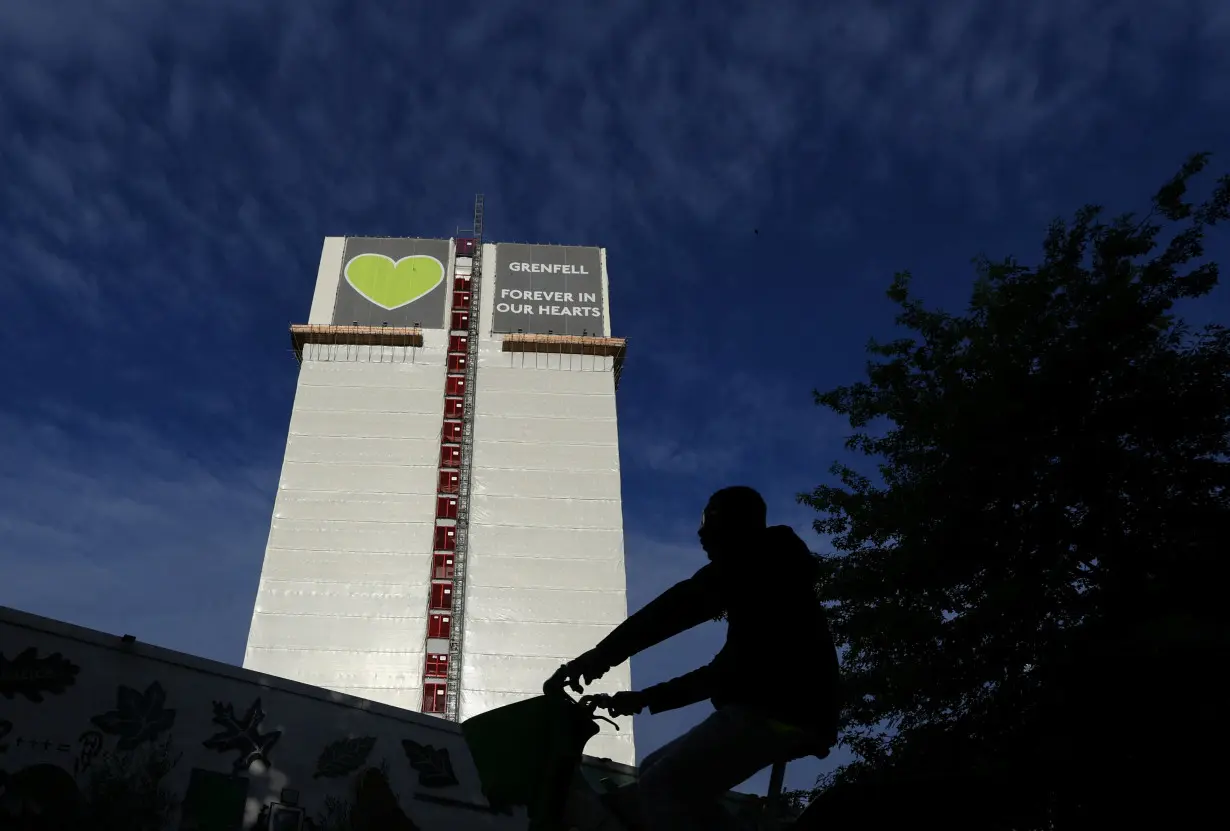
point(138, 717)
point(343, 756)
point(242, 735)
point(434, 766)
point(30, 676)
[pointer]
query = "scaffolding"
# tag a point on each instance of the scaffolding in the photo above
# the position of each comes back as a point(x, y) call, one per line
point(457, 630)
point(379, 344)
point(613, 350)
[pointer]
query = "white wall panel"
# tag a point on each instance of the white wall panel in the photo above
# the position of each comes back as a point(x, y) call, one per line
point(352, 507)
point(536, 572)
point(309, 598)
point(498, 359)
point(362, 450)
point(391, 537)
point(372, 425)
point(603, 514)
point(544, 405)
point(522, 673)
point(520, 455)
point(561, 640)
point(309, 476)
point(339, 353)
point(491, 427)
point(521, 605)
point(328, 274)
point(346, 566)
point(405, 375)
point(537, 542)
point(352, 634)
point(559, 484)
point(371, 399)
point(335, 670)
point(523, 379)
point(405, 699)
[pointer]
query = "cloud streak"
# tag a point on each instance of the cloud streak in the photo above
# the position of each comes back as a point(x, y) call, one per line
point(107, 525)
point(139, 123)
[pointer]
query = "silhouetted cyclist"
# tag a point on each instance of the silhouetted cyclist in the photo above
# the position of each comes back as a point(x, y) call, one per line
point(774, 685)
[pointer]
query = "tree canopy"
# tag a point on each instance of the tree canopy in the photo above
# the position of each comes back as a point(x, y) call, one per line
point(1031, 588)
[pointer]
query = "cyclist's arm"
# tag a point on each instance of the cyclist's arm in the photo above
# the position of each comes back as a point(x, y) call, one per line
point(679, 608)
point(680, 692)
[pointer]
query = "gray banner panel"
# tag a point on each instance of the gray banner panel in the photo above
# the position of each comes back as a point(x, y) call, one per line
point(541, 289)
point(395, 280)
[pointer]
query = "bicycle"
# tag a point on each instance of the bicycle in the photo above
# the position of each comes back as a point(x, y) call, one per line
point(529, 753)
point(553, 730)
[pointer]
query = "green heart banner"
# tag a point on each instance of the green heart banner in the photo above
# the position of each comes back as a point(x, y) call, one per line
point(391, 284)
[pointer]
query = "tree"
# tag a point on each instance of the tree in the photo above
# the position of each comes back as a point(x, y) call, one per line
point(1033, 587)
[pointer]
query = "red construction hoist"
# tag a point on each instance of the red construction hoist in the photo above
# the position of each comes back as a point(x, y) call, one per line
point(446, 598)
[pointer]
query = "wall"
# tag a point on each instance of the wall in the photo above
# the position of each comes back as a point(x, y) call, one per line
point(342, 598)
point(545, 574)
point(93, 729)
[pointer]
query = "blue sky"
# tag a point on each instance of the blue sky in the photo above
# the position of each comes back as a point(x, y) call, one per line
point(757, 171)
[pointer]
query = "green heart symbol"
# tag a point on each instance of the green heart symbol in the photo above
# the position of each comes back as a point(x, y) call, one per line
point(392, 285)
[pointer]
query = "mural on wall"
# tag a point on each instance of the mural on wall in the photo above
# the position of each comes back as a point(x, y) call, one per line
point(242, 735)
point(122, 790)
point(434, 767)
point(118, 771)
point(373, 806)
point(30, 676)
point(129, 789)
point(91, 742)
point(138, 717)
point(343, 757)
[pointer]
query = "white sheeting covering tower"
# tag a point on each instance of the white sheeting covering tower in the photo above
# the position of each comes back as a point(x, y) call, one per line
point(546, 559)
point(343, 596)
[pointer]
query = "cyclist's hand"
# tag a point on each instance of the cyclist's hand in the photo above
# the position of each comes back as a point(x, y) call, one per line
point(587, 669)
point(625, 703)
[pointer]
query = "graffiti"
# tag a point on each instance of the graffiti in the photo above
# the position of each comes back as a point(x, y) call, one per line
point(434, 767)
point(30, 676)
point(6, 729)
point(91, 743)
point(242, 735)
point(137, 717)
point(343, 757)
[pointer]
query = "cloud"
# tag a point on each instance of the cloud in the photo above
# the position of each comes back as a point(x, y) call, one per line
point(131, 120)
point(710, 416)
point(107, 525)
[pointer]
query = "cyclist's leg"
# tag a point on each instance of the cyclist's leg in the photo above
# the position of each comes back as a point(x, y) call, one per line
point(681, 786)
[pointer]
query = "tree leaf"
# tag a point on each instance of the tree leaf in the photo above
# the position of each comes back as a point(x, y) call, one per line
point(1053, 468)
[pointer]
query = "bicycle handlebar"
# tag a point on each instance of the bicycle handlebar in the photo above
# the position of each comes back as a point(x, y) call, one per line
point(555, 686)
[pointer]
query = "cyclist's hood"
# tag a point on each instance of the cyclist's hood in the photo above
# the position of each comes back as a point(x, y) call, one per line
point(787, 551)
point(777, 547)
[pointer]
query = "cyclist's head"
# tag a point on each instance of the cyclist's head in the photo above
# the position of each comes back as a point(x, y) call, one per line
point(731, 519)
